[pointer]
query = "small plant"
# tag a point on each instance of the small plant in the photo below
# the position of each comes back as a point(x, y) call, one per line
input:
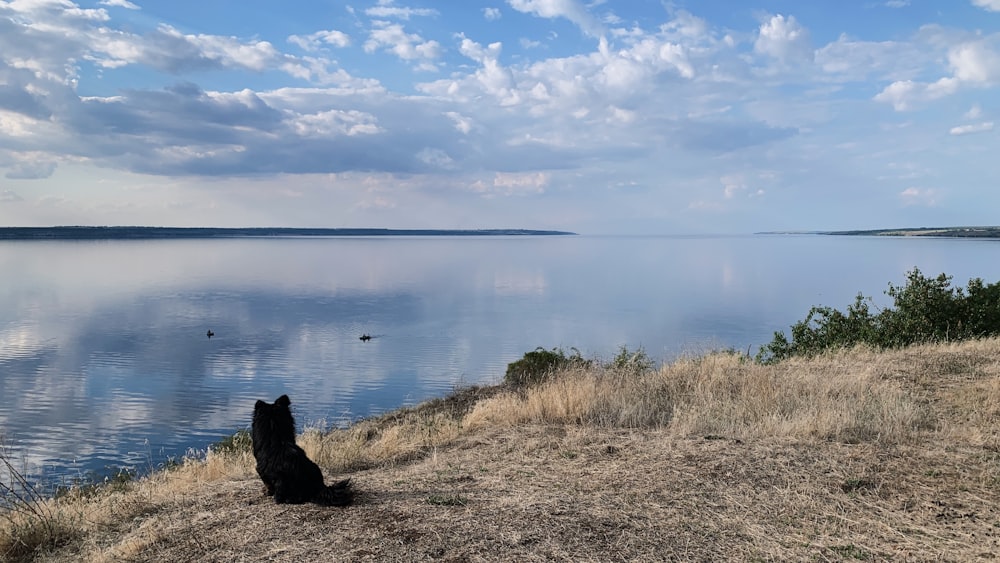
point(636, 363)
point(239, 442)
point(851, 551)
point(858, 484)
point(121, 479)
point(172, 463)
point(536, 366)
point(118, 479)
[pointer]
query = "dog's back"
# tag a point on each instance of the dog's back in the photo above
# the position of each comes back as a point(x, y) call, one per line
point(288, 474)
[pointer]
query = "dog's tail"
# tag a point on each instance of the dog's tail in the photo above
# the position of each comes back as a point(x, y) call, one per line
point(337, 494)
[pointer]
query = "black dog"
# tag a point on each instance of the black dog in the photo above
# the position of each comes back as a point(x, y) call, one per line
point(288, 474)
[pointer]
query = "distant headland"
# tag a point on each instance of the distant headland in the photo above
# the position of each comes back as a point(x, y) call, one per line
point(951, 232)
point(106, 233)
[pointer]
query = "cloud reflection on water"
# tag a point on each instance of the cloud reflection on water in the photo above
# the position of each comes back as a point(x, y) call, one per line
point(104, 358)
point(105, 346)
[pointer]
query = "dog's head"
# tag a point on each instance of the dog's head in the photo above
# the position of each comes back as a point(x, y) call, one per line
point(275, 419)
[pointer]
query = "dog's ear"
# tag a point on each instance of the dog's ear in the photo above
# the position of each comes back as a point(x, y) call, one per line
point(259, 404)
point(283, 401)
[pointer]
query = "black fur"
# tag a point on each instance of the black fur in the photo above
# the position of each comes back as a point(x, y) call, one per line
point(288, 474)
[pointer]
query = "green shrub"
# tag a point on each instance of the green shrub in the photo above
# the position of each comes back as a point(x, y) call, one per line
point(924, 310)
point(237, 443)
point(536, 366)
point(631, 362)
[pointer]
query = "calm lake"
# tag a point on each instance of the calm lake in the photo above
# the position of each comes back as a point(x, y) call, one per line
point(104, 359)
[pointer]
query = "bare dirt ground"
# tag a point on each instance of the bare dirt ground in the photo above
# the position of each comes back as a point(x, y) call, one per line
point(552, 493)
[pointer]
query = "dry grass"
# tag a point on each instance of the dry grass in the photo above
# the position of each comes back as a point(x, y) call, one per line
point(843, 397)
point(850, 456)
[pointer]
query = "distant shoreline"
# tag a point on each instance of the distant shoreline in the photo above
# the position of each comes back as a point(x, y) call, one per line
point(132, 233)
point(949, 232)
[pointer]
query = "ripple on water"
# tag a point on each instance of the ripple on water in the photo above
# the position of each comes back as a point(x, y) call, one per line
point(103, 363)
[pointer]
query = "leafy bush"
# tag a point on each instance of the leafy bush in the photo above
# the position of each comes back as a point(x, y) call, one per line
point(631, 362)
point(239, 442)
point(536, 366)
point(925, 310)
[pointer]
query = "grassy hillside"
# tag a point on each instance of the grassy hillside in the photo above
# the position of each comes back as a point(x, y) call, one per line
point(847, 456)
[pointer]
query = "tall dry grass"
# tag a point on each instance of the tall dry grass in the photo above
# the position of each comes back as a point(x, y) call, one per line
point(379, 442)
point(33, 524)
point(849, 396)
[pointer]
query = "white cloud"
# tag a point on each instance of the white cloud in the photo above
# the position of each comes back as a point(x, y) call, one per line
point(520, 183)
point(388, 9)
point(495, 79)
point(571, 10)
point(732, 185)
point(685, 27)
point(167, 48)
point(899, 94)
point(582, 85)
point(334, 122)
point(984, 127)
point(620, 75)
point(378, 202)
point(315, 41)
point(73, 35)
point(848, 59)
point(975, 62)
point(120, 4)
point(897, 3)
point(919, 197)
point(975, 112)
point(462, 123)
point(735, 185)
point(492, 14)
point(972, 63)
point(10, 196)
point(406, 46)
point(258, 55)
point(436, 158)
point(16, 124)
point(904, 94)
point(991, 5)
point(784, 39)
point(676, 56)
point(621, 116)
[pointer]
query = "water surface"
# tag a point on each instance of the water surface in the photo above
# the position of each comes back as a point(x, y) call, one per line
point(104, 359)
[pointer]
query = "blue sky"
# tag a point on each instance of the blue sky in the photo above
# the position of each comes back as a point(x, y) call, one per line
point(600, 117)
